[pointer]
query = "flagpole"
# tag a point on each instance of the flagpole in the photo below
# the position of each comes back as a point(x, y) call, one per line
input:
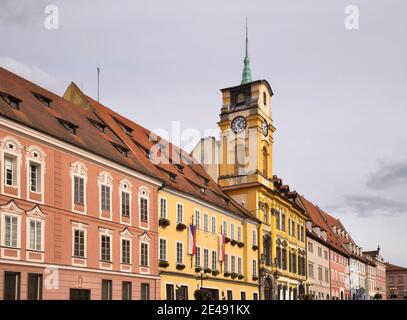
point(192, 255)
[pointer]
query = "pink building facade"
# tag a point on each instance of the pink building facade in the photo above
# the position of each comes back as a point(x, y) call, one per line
point(73, 224)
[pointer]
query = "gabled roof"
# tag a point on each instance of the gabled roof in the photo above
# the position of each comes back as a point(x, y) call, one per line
point(47, 119)
point(318, 218)
point(393, 268)
point(186, 175)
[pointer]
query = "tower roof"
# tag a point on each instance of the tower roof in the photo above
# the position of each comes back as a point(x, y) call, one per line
point(247, 73)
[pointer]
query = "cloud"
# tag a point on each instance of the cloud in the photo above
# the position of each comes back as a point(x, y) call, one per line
point(31, 73)
point(22, 13)
point(369, 205)
point(389, 175)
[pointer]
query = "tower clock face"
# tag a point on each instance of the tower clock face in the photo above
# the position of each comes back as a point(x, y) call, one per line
point(238, 124)
point(265, 128)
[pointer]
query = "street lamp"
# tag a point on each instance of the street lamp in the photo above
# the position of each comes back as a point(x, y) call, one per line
point(202, 276)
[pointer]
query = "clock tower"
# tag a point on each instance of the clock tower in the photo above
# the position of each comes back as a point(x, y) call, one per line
point(246, 141)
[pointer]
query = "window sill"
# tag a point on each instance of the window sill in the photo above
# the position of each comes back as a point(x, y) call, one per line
point(33, 250)
point(77, 257)
point(12, 248)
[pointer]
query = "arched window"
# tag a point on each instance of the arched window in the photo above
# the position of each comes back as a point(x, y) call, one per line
point(265, 159)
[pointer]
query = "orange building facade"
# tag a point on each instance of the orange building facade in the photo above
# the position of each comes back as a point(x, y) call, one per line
point(76, 220)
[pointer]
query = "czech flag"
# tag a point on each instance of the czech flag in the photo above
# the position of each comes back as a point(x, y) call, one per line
point(222, 243)
point(191, 240)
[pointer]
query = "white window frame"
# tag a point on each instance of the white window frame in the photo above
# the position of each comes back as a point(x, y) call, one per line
point(206, 258)
point(254, 268)
point(108, 233)
point(206, 222)
point(225, 228)
point(11, 147)
point(148, 254)
point(78, 169)
point(178, 214)
point(197, 214)
point(36, 156)
point(232, 264)
point(239, 265)
point(144, 193)
point(213, 224)
point(105, 179)
point(254, 237)
point(198, 249)
point(125, 186)
point(232, 231)
point(214, 262)
point(42, 224)
point(3, 229)
point(159, 249)
point(81, 227)
point(239, 233)
point(176, 252)
point(165, 215)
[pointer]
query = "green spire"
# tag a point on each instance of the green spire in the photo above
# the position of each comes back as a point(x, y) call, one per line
point(247, 73)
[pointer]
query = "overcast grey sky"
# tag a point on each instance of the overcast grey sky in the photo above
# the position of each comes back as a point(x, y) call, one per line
point(339, 100)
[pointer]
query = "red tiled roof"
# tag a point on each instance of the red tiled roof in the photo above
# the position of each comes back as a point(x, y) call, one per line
point(188, 177)
point(391, 267)
point(318, 217)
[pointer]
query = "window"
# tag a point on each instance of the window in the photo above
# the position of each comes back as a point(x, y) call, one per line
point(320, 274)
point(35, 177)
point(254, 268)
point(319, 252)
point(12, 281)
point(163, 249)
point(126, 290)
point(198, 219)
point(242, 295)
point(206, 258)
point(214, 261)
point(278, 222)
point(11, 101)
point(10, 171)
point(145, 291)
point(326, 254)
point(265, 161)
point(311, 270)
point(239, 265)
point(125, 204)
point(34, 286)
point(182, 293)
point(35, 235)
point(69, 126)
point(232, 264)
point(126, 250)
point(229, 294)
point(169, 289)
point(283, 221)
point(163, 208)
point(106, 289)
point(213, 224)
point(105, 248)
point(10, 238)
point(206, 222)
point(144, 254)
point(310, 247)
point(326, 275)
point(198, 257)
point(232, 231)
point(254, 237)
point(239, 233)
point(79, 190)
point(264, 99)
point(226, 263)
point(284, 258)
point(255, 296)
point(180, 253)
point(79, 243)
point(180, 213)
point(44, 100)
point(143, 209)
point(225, 228)
point(105, 197)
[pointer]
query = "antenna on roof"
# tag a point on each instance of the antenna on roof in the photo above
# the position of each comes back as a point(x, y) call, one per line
point(98, 75)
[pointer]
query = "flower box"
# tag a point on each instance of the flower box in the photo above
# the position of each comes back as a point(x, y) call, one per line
point(198, 269)
point(207, 270)
point(240, 276)
point(233, 242)
point(163, 222)
point(163, 264)
point(181, 226)
point(226, 274)
point(215, 272)
point(240, 244)
point(233, 275)
point(255, 247)
point(180, 266)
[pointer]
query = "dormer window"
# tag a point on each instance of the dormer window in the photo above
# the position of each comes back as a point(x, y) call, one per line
point(264, 99)
point(98, 125)
point(126, 129)
point(69, 126)
point(11, 101)
point(44, 100)
point(123, 150)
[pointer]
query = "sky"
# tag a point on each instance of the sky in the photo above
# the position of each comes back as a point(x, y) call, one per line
point(339, 101)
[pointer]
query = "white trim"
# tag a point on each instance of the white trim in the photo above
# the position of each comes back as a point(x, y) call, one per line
point(160, 207)
point(36, 155)
point(81, 227)
point(148, 256)
point(105, 179)
point(78, 169)
point(144, 193)
point(108, 233)
point(182, 212)
point(205, 214)
point(11, 209)
point(176, 253)
point(64, 267)
point(16, 153)
point(213, 217)
point(92, 157)
point(126, 238)
point(28, 230)
point(125, 186)
point(159, 248)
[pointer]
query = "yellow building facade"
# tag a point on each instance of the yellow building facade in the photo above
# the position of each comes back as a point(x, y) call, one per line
point(182, 274)
point(245, 173)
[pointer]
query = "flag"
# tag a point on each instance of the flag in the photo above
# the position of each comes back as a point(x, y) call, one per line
point(222, 243)
point(191, 239)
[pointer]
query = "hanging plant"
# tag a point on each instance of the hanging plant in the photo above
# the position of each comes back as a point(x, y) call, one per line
point(163, 222)
point(233, 242)
point(255, 247)
point(198, 269)
point(233, 275)
point(215, 272)
point(207, 270)
point(163, 264)
point(181, 226)
point(227, 240)
point(240, 276)
point(180, 266)
point(226, 274)
point(240, 244)
point(255, 278)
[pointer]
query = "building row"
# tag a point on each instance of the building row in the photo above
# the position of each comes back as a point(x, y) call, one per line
point(94, 206)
